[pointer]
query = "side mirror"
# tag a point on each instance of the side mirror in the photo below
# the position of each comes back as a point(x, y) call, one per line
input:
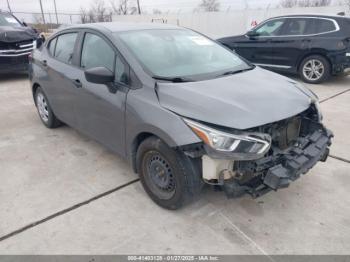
point(252, 34)
point(99, 75)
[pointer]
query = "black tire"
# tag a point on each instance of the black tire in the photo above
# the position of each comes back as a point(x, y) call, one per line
point(326, 72)
point(49, 120)
point(181, 178)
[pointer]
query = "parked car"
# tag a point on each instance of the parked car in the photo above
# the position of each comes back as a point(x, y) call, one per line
point(313, 46)
point(180, 107)
point(17, 41)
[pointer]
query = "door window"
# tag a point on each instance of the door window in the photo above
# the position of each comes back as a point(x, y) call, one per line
point(271, 28)
point(65, 47)
point(296, 26)
point(52, 46)
point(97, 53)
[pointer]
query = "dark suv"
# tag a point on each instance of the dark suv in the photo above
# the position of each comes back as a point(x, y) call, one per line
point(315, 47)
point(17, 41)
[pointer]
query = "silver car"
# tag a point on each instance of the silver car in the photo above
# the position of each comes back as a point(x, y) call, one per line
point(181, 108)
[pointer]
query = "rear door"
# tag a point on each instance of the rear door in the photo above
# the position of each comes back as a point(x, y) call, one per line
point(59, 86)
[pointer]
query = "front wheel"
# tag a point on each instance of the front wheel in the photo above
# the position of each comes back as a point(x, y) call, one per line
point(169, 177)
point(314, 69)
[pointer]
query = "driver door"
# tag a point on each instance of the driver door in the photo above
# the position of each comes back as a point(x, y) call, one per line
point(260, 49)
point(100, 111)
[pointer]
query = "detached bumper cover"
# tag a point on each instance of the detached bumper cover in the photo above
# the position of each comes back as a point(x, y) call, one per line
point(278, 170)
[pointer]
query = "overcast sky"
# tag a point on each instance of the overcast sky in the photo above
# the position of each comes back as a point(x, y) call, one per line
point(73, 6)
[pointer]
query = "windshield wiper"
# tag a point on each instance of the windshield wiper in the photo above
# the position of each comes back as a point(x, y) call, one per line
point(173, 79)
point(232, 72)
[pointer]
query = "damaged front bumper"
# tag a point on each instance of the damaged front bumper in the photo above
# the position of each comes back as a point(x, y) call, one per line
point(282, 166)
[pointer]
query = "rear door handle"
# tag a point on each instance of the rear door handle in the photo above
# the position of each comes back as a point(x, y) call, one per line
point(77, 83)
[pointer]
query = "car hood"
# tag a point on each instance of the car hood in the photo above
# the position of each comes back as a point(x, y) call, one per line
point(231, 39)
point(241, 101)
point(9, 34)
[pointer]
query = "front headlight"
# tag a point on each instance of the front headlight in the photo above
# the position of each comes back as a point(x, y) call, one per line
point(245, 143)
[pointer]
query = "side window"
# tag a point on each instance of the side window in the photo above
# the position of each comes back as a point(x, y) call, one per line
point(318, 26)
point(52, 46)
point(271, 28)
point(65, 47)
point(324, 25)
point(96, 53)
point(296, 26)
point(121, 71)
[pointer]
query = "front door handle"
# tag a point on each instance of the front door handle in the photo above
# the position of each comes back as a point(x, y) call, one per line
point(77, 83)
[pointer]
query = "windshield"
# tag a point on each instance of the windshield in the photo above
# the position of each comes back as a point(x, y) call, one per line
point(180, 53)
point(8, 20)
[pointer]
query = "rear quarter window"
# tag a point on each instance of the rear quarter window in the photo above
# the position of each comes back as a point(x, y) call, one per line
point(320, 26)
point(324, 26)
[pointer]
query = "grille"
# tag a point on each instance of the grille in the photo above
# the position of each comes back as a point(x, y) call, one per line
point(18, 49)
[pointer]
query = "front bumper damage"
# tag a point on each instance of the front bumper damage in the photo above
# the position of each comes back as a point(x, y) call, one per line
point(283, 166)
point(296, 145)
point(285, 161)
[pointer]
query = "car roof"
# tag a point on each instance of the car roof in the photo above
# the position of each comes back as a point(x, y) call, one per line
point(314, 15)
point(124, 26)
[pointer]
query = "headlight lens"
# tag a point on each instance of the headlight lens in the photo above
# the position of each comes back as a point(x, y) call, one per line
point(249, 143)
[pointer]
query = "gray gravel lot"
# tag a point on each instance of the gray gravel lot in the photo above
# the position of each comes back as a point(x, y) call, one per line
point(45, 172)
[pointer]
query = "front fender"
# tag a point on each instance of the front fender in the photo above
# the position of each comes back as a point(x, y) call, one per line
point(144, 115)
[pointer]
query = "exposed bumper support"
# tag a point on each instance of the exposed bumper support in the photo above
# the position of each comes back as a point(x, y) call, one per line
point(279, 169)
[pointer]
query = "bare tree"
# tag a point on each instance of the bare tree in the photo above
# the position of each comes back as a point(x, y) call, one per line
point(124, 7)
point(100, 10)
point(84, 18)
point(304, 3)
point(209, 5)
point(347, 3)
point(91, 16)
point(288, 3)
point(158, 12)
point(313, 3)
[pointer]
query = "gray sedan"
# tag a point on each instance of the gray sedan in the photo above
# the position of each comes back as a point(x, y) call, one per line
point(182, 109)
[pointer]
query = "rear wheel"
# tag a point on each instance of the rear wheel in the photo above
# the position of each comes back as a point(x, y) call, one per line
point(168, 176)
point(314, 69)
point(45, 112)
